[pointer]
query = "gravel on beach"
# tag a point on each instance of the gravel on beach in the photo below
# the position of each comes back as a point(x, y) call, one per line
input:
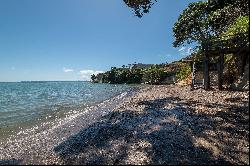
point(166, 124)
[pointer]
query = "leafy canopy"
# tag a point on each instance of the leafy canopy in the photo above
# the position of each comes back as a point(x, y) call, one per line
point(140, 6)
point(193, 24)
point(241, 25)
point(225, 12)
point(204, 20)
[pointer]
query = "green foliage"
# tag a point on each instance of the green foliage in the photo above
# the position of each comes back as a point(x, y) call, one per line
point(204, 20)
point(241, 25)
point(184, 72)
point(122, 76)
point(140, 6)
point(153, 75)
point(192, 25)
point(134, 76)
point(207, 23)
point(225, 12)
point(236, 35)
point(93, 78)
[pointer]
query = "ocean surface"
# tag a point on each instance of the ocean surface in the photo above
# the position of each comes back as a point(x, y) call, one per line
point(26, 104)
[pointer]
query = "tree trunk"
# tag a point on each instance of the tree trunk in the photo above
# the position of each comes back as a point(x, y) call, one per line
point(206, 67)
point(243, 63)
point(193, 74)
point(220, 71)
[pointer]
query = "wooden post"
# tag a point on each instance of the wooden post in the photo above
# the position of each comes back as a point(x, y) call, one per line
point(220, 71)
point(206, 67)
point(193, 74)
point(191, 65)
point(243, 62)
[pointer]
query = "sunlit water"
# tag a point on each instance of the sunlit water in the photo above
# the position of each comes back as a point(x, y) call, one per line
point(25, 104)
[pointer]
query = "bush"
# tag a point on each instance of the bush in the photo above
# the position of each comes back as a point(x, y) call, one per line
point(184, 72)
point(153, 75)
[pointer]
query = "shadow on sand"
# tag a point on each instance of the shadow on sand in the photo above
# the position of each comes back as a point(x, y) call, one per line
point(159, 135)
point(10, 162)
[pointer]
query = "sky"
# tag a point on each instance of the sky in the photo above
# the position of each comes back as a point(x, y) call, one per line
point(67, 40)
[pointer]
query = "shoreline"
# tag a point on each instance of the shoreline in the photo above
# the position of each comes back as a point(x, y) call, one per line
point(55, 131)
point(165, 124)
point(74, 112)
point(44, 115)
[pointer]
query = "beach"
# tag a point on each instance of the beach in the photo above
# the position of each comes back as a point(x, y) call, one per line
point(165, 124)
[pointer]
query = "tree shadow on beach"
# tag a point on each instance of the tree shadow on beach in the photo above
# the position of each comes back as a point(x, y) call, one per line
point(161, 134)
point(10, 162)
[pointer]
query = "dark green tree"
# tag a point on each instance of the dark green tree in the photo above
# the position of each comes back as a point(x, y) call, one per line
point(225, 12)
point(93, 77)
point(153, 75)
point(202, 22)
point(193, 26)
point(140, 6)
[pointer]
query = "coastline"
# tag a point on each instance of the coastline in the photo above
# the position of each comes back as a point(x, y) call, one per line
point(50, 133)
point(32, 106)
point(166, 124)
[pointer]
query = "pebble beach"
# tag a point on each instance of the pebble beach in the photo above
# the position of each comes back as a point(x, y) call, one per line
point(165, 124)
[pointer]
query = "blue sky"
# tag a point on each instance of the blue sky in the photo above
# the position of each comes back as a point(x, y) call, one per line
point(70, 39)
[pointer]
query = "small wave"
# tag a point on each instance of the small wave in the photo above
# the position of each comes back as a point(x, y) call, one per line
point(63, 113)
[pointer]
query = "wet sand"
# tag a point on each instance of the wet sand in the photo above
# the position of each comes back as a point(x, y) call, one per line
point(156, 125)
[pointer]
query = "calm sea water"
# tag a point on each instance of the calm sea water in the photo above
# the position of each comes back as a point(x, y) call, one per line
point(25, 104)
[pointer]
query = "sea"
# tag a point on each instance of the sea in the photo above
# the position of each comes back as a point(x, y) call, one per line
point(24, 105)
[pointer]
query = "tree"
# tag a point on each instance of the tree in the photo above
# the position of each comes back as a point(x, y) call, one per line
point(225, 12)
point(153, 75)
point(140, 6)
point(93, 77)
point(240, 26)
point(202, 22)
point(193, 26)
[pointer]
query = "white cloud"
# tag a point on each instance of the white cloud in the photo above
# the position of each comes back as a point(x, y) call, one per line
point(189, 51)
point(182, 49)
point(164, 56)
point(67, 70)
point(13, 68)
point(185, 51)
point(86, 74)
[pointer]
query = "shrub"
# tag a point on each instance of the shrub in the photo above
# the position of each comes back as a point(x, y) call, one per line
point(153, 75)
point(184, 72)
